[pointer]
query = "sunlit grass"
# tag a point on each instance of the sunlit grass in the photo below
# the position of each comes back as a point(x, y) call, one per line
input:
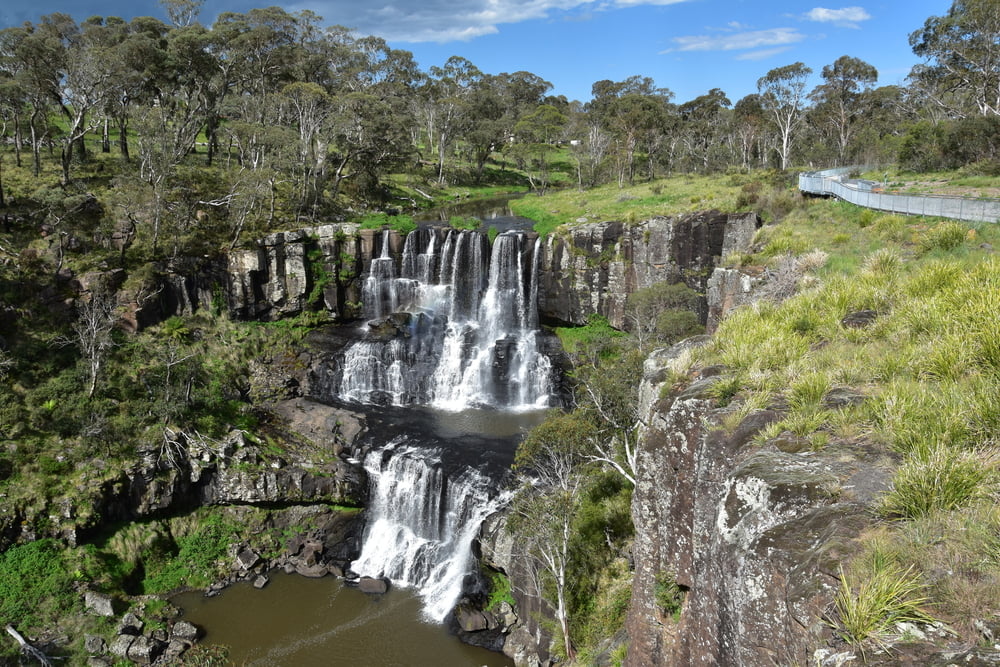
point(665, 197)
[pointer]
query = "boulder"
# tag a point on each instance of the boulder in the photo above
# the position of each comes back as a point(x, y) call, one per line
point(372, 585)
point(120, 645)
point(185, 631)
point(95, 644)
point(472, 620)
point(144, 650)
point(246, 559)
point(130, 625)
point(312, 571)
point(99, 603)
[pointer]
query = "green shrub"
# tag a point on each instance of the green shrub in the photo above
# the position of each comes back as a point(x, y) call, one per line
point(403, 224)
point(35, 584)
point(500, 591)
point(199, 555)
point(464, 222)
point(668, 594)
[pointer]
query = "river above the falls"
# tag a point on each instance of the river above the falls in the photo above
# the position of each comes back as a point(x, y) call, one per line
point(324, 623)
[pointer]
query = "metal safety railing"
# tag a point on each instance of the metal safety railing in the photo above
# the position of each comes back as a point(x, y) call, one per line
point(831, 182)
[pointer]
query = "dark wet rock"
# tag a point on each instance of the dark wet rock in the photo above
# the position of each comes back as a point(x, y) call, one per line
point(311, 552)
point(247, 559)
point(472, 620)
point(373, 585)
point(312, 571)
point(860, 319)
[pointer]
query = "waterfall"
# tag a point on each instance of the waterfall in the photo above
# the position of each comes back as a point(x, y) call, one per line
point(422, 523)
point(454, 329)
point(452, 325)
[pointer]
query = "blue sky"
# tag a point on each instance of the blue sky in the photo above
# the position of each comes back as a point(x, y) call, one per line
point(688, 46)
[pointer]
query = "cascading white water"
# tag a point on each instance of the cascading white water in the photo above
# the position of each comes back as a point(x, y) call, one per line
point(422, 523)
point(472, 318)
point(454, 327)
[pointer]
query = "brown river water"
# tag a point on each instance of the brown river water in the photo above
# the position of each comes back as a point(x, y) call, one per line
point(300, 622)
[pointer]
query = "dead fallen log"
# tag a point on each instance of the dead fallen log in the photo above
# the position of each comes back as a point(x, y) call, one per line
point(26, 648)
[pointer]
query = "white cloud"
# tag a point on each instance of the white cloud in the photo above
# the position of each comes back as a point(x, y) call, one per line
point(753, 39)
point(446, 20)
point(848, 17)
point(763, 54)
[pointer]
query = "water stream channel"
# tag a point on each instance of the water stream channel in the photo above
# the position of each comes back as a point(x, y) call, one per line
point(447, 394)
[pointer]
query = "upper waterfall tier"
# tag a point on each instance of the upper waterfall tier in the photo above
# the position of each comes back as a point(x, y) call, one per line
point(452, 323)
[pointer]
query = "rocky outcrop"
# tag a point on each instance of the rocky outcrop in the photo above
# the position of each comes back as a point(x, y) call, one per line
point(189, 470)
point(751, 534)
point(289, 272)
point(527, 635)
point(593, 267)
point(727, 289)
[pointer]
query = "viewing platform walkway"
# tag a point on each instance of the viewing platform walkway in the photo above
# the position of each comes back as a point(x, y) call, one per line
point(833, 183)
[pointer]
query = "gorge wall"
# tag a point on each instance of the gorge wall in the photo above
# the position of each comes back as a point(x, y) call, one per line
point(591, 268)
point(751, 534)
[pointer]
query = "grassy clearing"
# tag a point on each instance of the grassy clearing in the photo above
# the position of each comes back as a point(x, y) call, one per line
point(671, 196)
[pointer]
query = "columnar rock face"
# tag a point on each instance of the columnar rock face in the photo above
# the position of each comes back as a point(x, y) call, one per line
point(592, 268)
point(595, 266)
point(287, 271)
point(751, 533)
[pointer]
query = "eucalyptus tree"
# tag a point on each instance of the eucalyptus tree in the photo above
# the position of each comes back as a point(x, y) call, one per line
point(310, 106)
point(449, 89)
point(961, 49)
point(553, 459)
point(840, 101)
point(588, 145)
point(368, 128)
point(182, 13)
point(496, 104)
point(83, 82)
point(136, 55)
point(703, 127)
point(748, 127)
point(635, 112)
point(12, 99)
point(34, 60)
point(783, 97)
point(537, 134)
point(167, 129)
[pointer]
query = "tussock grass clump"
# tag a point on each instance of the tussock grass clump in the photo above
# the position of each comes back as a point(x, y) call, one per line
point(943, 478)
point(876, 595)
point(944, 236)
